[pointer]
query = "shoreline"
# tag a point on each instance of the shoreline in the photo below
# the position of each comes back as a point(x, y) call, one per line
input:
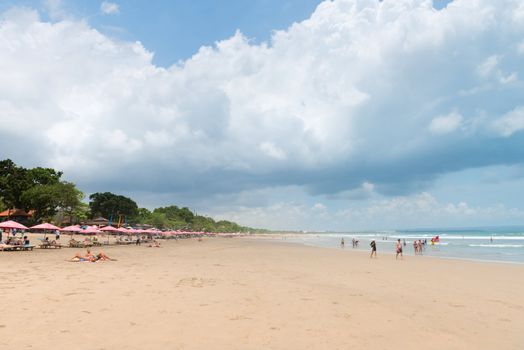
point(408, 251)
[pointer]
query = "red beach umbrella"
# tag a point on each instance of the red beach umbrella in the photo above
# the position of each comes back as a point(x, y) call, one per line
point(12, 225)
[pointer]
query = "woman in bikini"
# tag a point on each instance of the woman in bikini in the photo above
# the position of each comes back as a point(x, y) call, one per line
point(399, 249)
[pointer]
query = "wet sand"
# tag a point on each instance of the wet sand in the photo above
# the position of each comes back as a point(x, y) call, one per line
point(252, 294)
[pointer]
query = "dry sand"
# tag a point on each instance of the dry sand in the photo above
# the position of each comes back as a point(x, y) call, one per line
point(247, 294)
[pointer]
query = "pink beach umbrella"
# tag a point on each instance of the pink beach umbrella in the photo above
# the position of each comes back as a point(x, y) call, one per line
point(45, 226)
point(90, 230)
point(123, 230)
point(12, 225)
point(109, 228)
point(74, 228)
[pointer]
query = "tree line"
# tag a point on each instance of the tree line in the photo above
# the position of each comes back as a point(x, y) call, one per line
point(50, 198)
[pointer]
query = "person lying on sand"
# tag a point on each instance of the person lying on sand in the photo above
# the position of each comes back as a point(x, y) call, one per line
point(155, 244)
point(89, 257)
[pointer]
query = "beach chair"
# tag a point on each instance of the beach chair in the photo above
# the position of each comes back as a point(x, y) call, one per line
point(48, 244)
point(5, 247)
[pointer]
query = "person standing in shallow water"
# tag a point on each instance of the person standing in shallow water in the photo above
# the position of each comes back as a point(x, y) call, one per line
point(373, 245)
point(342, 244)
point(399, 249)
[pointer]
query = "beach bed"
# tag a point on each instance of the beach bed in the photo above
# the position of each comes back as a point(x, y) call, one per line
point(46, 245)
point(8, 247)
point(78, 244)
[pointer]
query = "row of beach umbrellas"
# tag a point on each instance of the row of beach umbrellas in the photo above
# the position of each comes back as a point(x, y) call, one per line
point(94, 229)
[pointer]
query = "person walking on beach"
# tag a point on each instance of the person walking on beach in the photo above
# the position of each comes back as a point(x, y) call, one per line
point(373, 245)
point(342, 243)
point(415, 246)
point(399, 249)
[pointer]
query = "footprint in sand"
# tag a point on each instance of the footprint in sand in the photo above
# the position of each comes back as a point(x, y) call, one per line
point(457, 305)
point(195, 282)
point(239, 317)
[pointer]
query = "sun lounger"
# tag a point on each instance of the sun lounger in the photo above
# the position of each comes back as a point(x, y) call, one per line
point(78, 244)
point(45, 245)
point(8, 247)
point(4, 246)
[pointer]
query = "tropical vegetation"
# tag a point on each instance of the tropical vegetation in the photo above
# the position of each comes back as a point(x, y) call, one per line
point(49, 198)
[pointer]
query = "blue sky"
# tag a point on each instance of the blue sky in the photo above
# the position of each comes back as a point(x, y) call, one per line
point(310, 115)
point(175, 30)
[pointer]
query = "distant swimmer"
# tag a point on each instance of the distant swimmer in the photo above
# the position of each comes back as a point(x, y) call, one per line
point(373, 245)
point(491, 239)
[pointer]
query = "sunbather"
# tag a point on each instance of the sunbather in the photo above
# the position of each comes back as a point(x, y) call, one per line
point(103, 256)
point(78, 257)
point(90, 257)
point(155, 244)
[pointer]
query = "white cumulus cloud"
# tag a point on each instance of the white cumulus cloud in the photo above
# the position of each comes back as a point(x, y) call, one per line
point(445, 124)
point(109, 8)
point(510, 122)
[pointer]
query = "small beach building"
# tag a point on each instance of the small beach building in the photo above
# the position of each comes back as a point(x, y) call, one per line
point(18, 215)
point(100, 221)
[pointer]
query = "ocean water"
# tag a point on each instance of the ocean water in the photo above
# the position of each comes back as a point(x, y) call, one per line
point(485, 244)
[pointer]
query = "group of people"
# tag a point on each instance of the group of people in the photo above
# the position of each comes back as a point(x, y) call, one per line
point(17, 241)
point(418, 246)
point(353, 241)
point(398, 249)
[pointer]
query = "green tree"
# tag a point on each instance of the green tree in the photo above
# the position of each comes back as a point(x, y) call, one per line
point(70, 201)
point(159, 220)
point(43, 176)
point(13, 182)
point(47, 200)
point(109, 205)
point(175, 213)
point(144, 216)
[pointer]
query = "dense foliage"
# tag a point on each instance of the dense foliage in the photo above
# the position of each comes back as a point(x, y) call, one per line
point(173, 217)
point(38, 189)
point(42, 190)
point(112, 206)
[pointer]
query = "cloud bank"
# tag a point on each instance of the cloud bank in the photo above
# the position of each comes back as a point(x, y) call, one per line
point(391, 94)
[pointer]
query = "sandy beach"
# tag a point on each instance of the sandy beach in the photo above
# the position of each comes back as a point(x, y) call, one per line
point(254, 294)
